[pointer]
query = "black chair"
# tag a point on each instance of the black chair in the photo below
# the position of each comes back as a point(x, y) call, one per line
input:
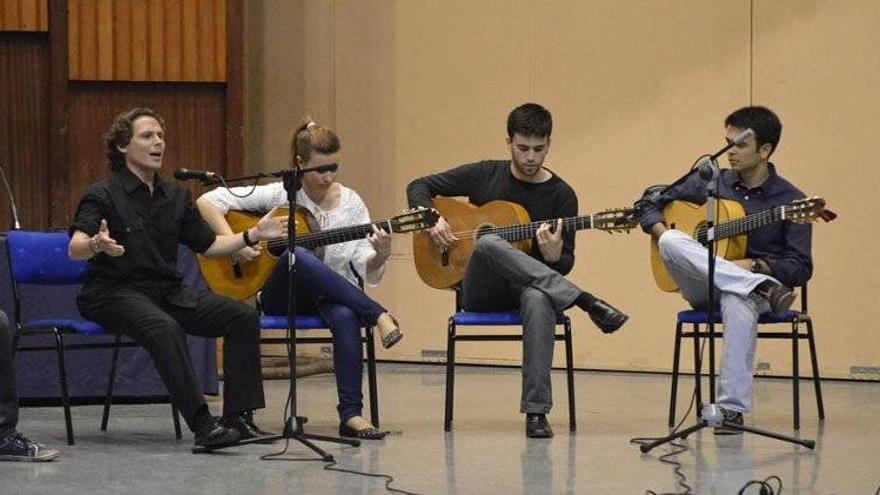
point(502, 318)
point(40, 258)
point(791, 318)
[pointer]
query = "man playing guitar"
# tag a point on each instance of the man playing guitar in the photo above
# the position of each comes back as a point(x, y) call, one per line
point(500, 277)
point(776, 254)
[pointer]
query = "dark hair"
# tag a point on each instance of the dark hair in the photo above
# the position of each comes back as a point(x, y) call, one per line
point(121, 132)
point(529, 120)
point(312, 137)
point(762, 120)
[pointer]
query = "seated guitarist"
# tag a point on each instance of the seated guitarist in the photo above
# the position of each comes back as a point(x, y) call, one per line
point(777, 254)
point(327, 287)
point(500, 277)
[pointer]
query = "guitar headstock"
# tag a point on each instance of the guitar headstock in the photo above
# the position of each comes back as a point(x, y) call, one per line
point(807, 210)
point(413, 220)
point(616, 220)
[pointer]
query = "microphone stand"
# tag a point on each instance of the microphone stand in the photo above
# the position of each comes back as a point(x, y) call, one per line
point(293, 424)
point(711, 415)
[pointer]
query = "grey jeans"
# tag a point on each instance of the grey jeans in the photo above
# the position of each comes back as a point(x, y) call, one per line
point(687, 262)
point(8, 399)
point(500, 277)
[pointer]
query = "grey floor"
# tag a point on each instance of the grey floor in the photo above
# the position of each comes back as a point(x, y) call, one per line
point(486, 452)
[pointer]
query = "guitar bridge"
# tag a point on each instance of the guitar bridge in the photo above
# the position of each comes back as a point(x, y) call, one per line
point(444, 257)
point(236, 269)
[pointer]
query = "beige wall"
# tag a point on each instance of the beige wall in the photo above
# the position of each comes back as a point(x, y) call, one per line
point(637, 90)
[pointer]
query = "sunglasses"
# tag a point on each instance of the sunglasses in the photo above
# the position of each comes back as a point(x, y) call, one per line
point(330, 167)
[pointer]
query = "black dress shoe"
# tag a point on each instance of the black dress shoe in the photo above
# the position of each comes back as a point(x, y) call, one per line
point(214, 434)
point(246, 428)
point(779, 296)
point(371, 433)
point(537, 426)
point(606, 317)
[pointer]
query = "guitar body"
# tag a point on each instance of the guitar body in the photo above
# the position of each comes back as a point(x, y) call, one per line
point(442, 270)
point(688, 218)
point(238, 279)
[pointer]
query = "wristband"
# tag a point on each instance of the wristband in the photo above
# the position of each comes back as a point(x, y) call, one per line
point(247, 239)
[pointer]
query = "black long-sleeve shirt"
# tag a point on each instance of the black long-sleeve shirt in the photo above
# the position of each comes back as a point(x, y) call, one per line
point(784, 246)
point(489, 180)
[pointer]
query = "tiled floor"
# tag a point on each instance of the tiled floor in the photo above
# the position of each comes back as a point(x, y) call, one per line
point(485, 453)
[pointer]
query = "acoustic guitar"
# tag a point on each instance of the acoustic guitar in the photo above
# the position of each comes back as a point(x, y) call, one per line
point(239, 279)
point(443, 269)
point(731, 225)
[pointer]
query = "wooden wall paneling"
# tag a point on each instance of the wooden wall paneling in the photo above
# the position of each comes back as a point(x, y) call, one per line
point(73, 48)
point(104, 23)
point(23, 15)
point(139, 41)
point(58, 131)
point(195, 126)
point(24, 128)
point(205, 43)
point(156, 49)
point(88, 42)
point(189, 41)
point(234, 76)
point(220, 53)
point(121, 42)
point(173, 37)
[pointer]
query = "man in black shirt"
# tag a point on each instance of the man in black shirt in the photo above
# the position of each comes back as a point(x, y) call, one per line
point(776, 254)
point(500, 277)
point(128, 226)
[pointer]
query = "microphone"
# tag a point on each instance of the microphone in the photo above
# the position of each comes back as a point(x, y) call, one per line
point(708, 167)
point(16, 224)
point(202, 175)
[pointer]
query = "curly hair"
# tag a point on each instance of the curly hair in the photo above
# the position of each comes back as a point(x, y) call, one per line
point(121, 132)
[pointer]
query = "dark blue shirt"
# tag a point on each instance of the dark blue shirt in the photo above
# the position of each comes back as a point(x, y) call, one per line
point(784, 246)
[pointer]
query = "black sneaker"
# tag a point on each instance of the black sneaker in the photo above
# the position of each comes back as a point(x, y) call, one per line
point(732, 417)
point(17, 447)
point(607, 317)
point(779, 296)
point(537, 426)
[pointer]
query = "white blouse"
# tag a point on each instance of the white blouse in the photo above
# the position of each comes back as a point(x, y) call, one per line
point(350, 211)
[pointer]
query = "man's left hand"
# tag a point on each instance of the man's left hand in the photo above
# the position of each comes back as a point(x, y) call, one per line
point(550, 243)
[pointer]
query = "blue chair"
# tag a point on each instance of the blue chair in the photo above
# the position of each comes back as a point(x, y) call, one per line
point(315, 322)
point(40, 258)
point(502, 318)
point(791, 318)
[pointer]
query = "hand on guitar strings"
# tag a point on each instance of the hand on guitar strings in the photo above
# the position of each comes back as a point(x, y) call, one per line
point(381, 242)
point(550, 242)
point(441, 234)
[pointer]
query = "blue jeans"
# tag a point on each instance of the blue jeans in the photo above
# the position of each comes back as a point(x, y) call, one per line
point(345, 307)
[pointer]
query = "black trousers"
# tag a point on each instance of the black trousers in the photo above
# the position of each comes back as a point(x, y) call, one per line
point(8, 399)
point(160, 320)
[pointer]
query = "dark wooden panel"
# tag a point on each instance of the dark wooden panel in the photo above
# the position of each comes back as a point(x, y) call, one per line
point(24, 126)
point(195, 115)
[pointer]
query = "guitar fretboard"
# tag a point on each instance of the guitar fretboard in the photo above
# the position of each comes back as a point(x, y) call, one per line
point(742, 225)
point(333, 236)
point(527, 230)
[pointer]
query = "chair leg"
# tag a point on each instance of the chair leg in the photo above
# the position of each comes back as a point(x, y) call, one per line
point(108, 398)
point(450, 375)
point(815, 362)
point(62, 376)
point(795, 374)
point(175, 415)
point(673, 395)
point(371, 376)
point(569, 372)
point(698, 373)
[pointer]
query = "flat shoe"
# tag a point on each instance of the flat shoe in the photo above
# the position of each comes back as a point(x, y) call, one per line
point(371, 433)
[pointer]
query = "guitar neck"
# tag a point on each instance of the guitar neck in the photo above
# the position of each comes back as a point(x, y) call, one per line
point(519, 232)
point(742, 225)
point(334, 236)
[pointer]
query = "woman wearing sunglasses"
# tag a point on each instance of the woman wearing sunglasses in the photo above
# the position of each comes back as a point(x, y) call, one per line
point(329, 285)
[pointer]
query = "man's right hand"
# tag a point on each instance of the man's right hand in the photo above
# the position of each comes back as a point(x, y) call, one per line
point(248, 253)
point(441, 234)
